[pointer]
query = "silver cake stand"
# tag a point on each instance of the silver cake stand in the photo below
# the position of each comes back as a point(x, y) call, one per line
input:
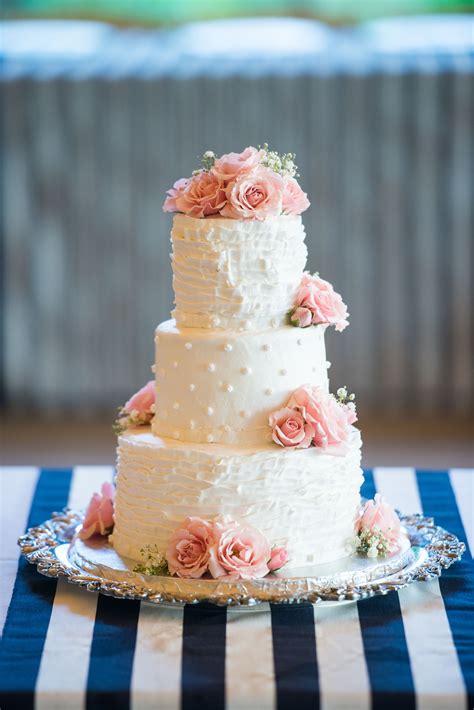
point(56, 551)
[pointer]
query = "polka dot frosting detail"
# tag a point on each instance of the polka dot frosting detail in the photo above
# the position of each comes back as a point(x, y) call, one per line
point(245, 370)
point(268, 390)
point(282, 371)
point(209, 411)
point(192, 387)
point(228, 388)
point(211, 367)
point(266, 347)
point(228, 347)
point(209, 438)
point(188, 346)
point(175, 405)
point(175, 364)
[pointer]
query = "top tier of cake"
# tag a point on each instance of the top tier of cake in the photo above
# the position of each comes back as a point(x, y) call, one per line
point(236, 274)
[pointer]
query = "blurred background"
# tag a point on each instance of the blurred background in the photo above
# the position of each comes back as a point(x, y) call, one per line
point(106, 103)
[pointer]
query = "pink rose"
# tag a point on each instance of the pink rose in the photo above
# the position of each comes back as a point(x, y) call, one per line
point(99, 517)
point(230, 165)
point(302, 317)
point(290, 428)
point(330, 420)
point(240, 552)
point(254, 195)
point(278, 558)
point(379, 517)
point(142, 402)
point(188, 552)
point(203, 195)
point(294, 200)
point(169, 204)
point(326, 305)
point(351, 412)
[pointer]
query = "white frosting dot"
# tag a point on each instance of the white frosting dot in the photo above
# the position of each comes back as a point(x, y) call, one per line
point(209, 411)
point(175, 405)
point(328, 364)
point(228, 388)
point(192, 387)
point(299, 341)
point(266, 347)
point(268, 390)
point(157, 339)
point(215, 320)
point(226, 428)
point(209, 438)
point(245, 370)
point(153, 368)
point(192, 424)
point(175, 364)
point(188, 346)
point(246, 325)
point(282, 371)
point(274, 322)
point(228, 347)
point(211, 367)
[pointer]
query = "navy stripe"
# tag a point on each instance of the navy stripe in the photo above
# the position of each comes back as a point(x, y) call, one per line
point(203, 657)
point(457, 582)
point(112, 653)
point(294, 655)
point(385, 646)
point(28, 617)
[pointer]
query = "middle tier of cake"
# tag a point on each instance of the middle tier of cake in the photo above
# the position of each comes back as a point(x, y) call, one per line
point(217, 386)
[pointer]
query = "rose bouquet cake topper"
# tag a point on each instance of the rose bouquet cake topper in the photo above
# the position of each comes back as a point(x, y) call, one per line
point(257, 183)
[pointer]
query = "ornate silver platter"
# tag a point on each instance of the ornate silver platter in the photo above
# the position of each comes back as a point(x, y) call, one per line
point(57, 552)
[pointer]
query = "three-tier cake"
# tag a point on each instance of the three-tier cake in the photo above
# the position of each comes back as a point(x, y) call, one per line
point(244, 427)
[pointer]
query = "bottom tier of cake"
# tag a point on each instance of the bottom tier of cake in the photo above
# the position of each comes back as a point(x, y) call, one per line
point(304, 499)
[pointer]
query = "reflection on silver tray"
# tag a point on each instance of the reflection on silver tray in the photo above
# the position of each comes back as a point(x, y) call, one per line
point(427, 550)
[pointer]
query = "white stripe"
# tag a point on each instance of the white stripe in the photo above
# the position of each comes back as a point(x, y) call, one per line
point(462, 482)
point(249, 674)
point(156, 675)
point(62, 676)
point(433, 658)
point(343, 677)
point(17, 485)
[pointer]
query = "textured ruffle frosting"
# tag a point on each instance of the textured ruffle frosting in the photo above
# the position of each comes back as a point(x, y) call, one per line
point(304, 499)
point(217, 386)
point(236, 275)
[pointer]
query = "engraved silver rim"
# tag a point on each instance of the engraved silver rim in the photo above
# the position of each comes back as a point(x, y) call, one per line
point(50, 546)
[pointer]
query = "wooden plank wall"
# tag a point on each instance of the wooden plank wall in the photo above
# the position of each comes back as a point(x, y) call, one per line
point(385, 158)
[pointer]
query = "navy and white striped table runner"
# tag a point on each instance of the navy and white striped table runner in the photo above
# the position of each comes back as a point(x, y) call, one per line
point(65, 648)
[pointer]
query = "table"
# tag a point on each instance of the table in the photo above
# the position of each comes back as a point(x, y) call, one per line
point(63, 647)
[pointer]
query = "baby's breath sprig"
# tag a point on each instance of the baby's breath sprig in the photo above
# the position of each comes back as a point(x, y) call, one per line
point(208, 159)
point(154, 562)
point(343, 397)
point(126, 419)
point(372, 543)
point(283, 164)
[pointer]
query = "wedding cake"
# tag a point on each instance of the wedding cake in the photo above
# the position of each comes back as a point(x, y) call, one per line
point(238, 431)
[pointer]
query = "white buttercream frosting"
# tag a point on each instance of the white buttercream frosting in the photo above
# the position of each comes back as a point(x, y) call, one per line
point(236, 274)
point(218, 386)
point(305, 499)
